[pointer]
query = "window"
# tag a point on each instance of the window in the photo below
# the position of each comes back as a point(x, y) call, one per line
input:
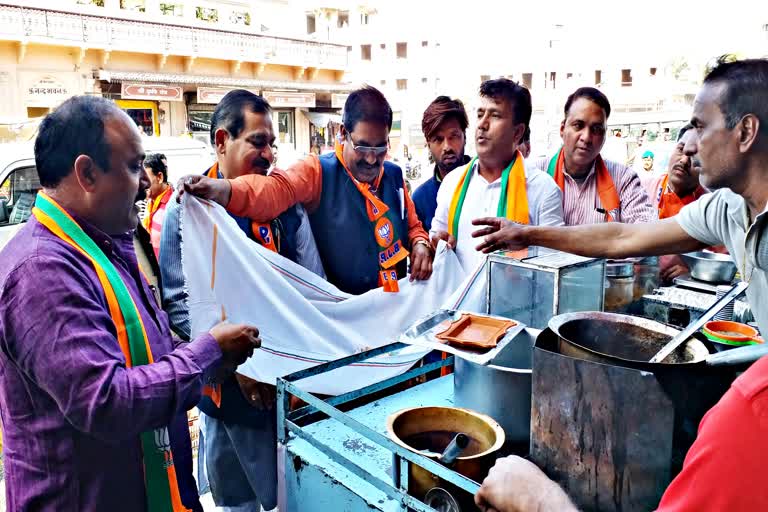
point(363, 18)
point(240, 18)
point(528, 80)
point(484, 78)
point(365, 52)
point(424, 80)
point(133, 5)
point(568, 75)
point(653, 71)
point(626, 77)
point(343, 19)
point(598, 77)
point(424, 44)
point(285, 127)
point(206, 14)
point(383, 83)
point(311, 24)
point(171, 9)
point(402, 50)
point(402, 84)
point(553, 78)
point(17, 195)
point(383, 46)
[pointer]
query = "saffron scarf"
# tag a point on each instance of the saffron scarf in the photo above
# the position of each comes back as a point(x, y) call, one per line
point(384, 226)
point(513, 201)
point(670, 203)
point(154, 206)
point(606, 189)
point(159, 471)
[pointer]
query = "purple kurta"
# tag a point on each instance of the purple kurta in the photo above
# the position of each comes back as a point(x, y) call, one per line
point(71, 410)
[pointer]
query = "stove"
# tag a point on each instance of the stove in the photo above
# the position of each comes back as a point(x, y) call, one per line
point(685, 301)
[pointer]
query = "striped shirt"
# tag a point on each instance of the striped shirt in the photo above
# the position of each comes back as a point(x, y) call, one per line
point(581, 202)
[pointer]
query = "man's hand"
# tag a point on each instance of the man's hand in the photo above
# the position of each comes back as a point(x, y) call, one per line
point(237, 343)
point(672, 266)
point(517, 485)
point(421, 262)
point(207, 188)
point(499, 234)
point(443, 235)
point(258, 394)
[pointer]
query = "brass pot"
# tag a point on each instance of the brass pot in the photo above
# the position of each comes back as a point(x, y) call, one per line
point(432, 428)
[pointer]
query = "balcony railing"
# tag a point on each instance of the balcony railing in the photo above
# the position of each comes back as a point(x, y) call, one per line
point(114, 34)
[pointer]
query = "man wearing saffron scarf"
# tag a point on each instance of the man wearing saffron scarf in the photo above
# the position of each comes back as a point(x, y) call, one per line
point(671, 191)
point(93, 388)
point(730, 138)
point(362, 216)
point(238, 426)
point(594, 190)
point(496, 182)
point(445, 128)
point(158, 195)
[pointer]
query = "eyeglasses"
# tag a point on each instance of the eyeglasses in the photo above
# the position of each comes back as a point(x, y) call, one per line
point(376, 151)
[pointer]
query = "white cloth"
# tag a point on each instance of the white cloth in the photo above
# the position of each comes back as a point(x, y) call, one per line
point(303, 320)
point(545, 207)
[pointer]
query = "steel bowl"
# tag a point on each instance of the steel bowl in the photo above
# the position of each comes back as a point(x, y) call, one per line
point(710, 266)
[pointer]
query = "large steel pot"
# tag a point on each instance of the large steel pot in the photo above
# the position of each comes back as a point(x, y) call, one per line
point(631, 341)
point(501, 389)
point(614, 430)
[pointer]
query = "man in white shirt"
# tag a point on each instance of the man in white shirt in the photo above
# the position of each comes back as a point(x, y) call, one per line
point(496, 181)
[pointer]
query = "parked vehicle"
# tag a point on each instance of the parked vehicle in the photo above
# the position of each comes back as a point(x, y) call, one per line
point(19, 182)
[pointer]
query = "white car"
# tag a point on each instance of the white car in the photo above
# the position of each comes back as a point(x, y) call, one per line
point(19, 182)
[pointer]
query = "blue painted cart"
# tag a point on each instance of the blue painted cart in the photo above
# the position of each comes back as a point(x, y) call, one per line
point(343, 461)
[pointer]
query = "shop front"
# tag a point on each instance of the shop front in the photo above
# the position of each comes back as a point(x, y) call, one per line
point(144, 104)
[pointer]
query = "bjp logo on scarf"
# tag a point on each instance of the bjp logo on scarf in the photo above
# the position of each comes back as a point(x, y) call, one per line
point(163, 444)
point(264, 234)
point(384, 232)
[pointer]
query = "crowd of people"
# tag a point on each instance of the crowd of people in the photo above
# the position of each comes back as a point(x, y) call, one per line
point(97, 370)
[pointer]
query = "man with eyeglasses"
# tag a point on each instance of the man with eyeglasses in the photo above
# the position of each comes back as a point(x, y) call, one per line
point(238, 426)
point(361, 213)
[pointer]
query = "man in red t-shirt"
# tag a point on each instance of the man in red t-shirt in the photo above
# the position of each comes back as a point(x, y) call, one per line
point(725, 469)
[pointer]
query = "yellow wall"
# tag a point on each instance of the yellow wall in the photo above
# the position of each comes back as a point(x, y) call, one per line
point(77, 72)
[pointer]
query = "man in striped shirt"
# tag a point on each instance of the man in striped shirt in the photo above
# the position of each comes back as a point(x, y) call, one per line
point(594, 190)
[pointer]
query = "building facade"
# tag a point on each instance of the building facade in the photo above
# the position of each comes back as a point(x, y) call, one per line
point(166, 63)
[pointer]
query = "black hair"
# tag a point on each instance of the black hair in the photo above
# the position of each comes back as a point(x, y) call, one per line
point(230, 112)
point(745, 91)
point(682, 131)
point(594, 95)
point(75, 128)
point(154, 162)
point(441, 110)
point(518, 97)
point(366, 104)
point(526, 135)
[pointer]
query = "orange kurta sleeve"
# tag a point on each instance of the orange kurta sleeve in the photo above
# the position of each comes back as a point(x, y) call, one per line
point(416, 230)
point(262, 198)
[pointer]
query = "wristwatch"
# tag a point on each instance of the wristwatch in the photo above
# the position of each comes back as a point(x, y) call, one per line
point(423, 242)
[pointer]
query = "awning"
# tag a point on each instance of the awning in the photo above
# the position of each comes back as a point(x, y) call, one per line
point(227, 81)
point(321, 119)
